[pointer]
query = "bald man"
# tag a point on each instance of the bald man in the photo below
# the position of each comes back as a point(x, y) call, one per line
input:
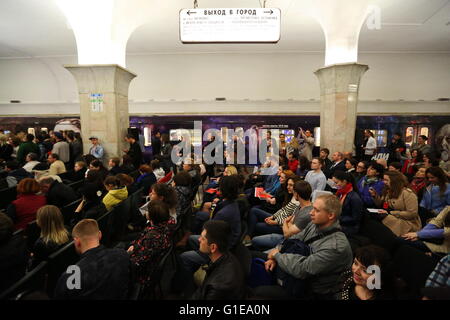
point(103, 273)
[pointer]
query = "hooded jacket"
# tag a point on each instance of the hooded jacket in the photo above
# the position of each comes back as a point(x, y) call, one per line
point(184, 195)
point(114, 197)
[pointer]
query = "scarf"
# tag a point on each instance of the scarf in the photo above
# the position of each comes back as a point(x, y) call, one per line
point(368, 181)
point(342, 193)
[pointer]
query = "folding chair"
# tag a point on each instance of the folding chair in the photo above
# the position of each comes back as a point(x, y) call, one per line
point(32, 281)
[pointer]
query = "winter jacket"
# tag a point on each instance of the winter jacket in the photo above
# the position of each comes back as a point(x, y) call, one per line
point(114, 197)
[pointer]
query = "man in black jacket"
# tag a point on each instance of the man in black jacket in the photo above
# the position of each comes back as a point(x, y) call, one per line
point(396, 148)
point(135, 151)
point(224, 275)
point(58, 194)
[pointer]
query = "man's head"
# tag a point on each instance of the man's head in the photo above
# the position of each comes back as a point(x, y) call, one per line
point(94, 140)
point(45, 184)
point(368, 133)
point(52, 158)
point(214, 239)
point(58, 136)
point(114, 162)
point(130, 138)
point(395, 166)
point(31, 157)
point(86, 235)
point(324, 153)
point(30, 137)
point(308, 133)
point(326, 210)
point(316, 163)
point(12, 165)
point(422, 139)
point(302, 190)
point(397, 136)
point(337, 156)
point(229, 186)
point(348, 155)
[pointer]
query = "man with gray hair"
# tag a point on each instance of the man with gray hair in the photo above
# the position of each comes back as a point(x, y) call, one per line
point(31, 161)
point(329, 254)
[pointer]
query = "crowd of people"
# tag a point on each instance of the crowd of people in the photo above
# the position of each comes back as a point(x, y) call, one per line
point(295, 233)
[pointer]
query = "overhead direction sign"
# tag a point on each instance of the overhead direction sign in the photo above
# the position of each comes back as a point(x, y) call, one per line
point(230, 25)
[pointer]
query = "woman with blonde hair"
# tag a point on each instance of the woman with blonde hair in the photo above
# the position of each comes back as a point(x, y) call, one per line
point(53, 233)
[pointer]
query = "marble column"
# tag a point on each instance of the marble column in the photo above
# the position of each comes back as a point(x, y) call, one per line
point(103, 91)
point(339, 87)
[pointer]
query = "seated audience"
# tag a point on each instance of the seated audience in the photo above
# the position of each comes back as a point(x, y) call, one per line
point(352, 206)
point(167, 194)
point(79, 171)
point(104, 272)
point(337, 164)
point(292, 224)
point(98, 165)
point(148, 249)
point(416, 159)
point(13, 254)
point(437, 286)
point(437, 194)
point(127, 181)
point(383, 163)
point(23, 210)
point(226, 210)
point(15, 173)
point(146, 179)
point(91, 205)
point(350, 167)
point(127, 166)
point(419, 182)
point(292, 162)
point(224, 277)
point(429, 160)
point(304, 165)
point(329, 255)
point(114, 165)
point(157, 170)
point(395, 166)
point(361, 171)
point(399, 204)
point(189, 167)
point(116, 192)
point(31, 162)
point(53, 234)
point(316, 178)
point(355, 282)
point(181, 183)
point(372, 180)
point(56, 165)
point(57, 193)
point(435, 236)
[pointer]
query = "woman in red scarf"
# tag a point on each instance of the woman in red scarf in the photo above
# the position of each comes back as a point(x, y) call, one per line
point(416, 158)
point(352, 204)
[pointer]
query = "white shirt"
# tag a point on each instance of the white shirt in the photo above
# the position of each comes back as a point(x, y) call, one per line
point(371, 146)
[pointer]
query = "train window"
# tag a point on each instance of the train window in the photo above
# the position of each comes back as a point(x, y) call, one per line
point(381, 137)
point(317, 136)
point(424, 132)
point(409, 136)
point(196, 137)
point(147, 136)
point(174, 135)
point(44, 129)
point(31, 131)
point(289, 134)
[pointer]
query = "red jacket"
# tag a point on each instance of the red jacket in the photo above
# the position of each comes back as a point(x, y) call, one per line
point(293, 165)
point(26, 206)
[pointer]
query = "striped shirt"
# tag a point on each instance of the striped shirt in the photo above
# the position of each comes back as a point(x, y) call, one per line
point(286, 211)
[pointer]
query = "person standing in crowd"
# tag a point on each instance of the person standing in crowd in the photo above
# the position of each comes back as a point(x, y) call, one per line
point(96, 150)
point(397, 148)
point(166, 153)
point(307, 146)
point(421, 145)
point(369, 146)
point(224, 276)
point(76, 147)
point(105, 273)
point(134, 151)
point(27, 147)
point(6, 148)
point(61, 148)
point(23, 210)
point(156, 144)
point(399, 204)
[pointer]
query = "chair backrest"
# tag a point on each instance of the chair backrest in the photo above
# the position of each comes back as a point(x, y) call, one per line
point(136, 202)
point(32, 233)
point(104, 227)
point(118, 220)
point(19, 233)
point(7, 196)
point(158, 272)
point(58, 263)
point(68, 211)
point(33, 280)
point(167, 178)
point(76, 185)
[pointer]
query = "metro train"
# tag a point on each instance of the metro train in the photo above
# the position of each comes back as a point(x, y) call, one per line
point(436, 128)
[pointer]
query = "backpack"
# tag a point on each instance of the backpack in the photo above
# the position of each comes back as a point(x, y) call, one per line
point(297, 288)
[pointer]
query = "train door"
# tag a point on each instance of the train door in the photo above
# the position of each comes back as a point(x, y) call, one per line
point(413, 131)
